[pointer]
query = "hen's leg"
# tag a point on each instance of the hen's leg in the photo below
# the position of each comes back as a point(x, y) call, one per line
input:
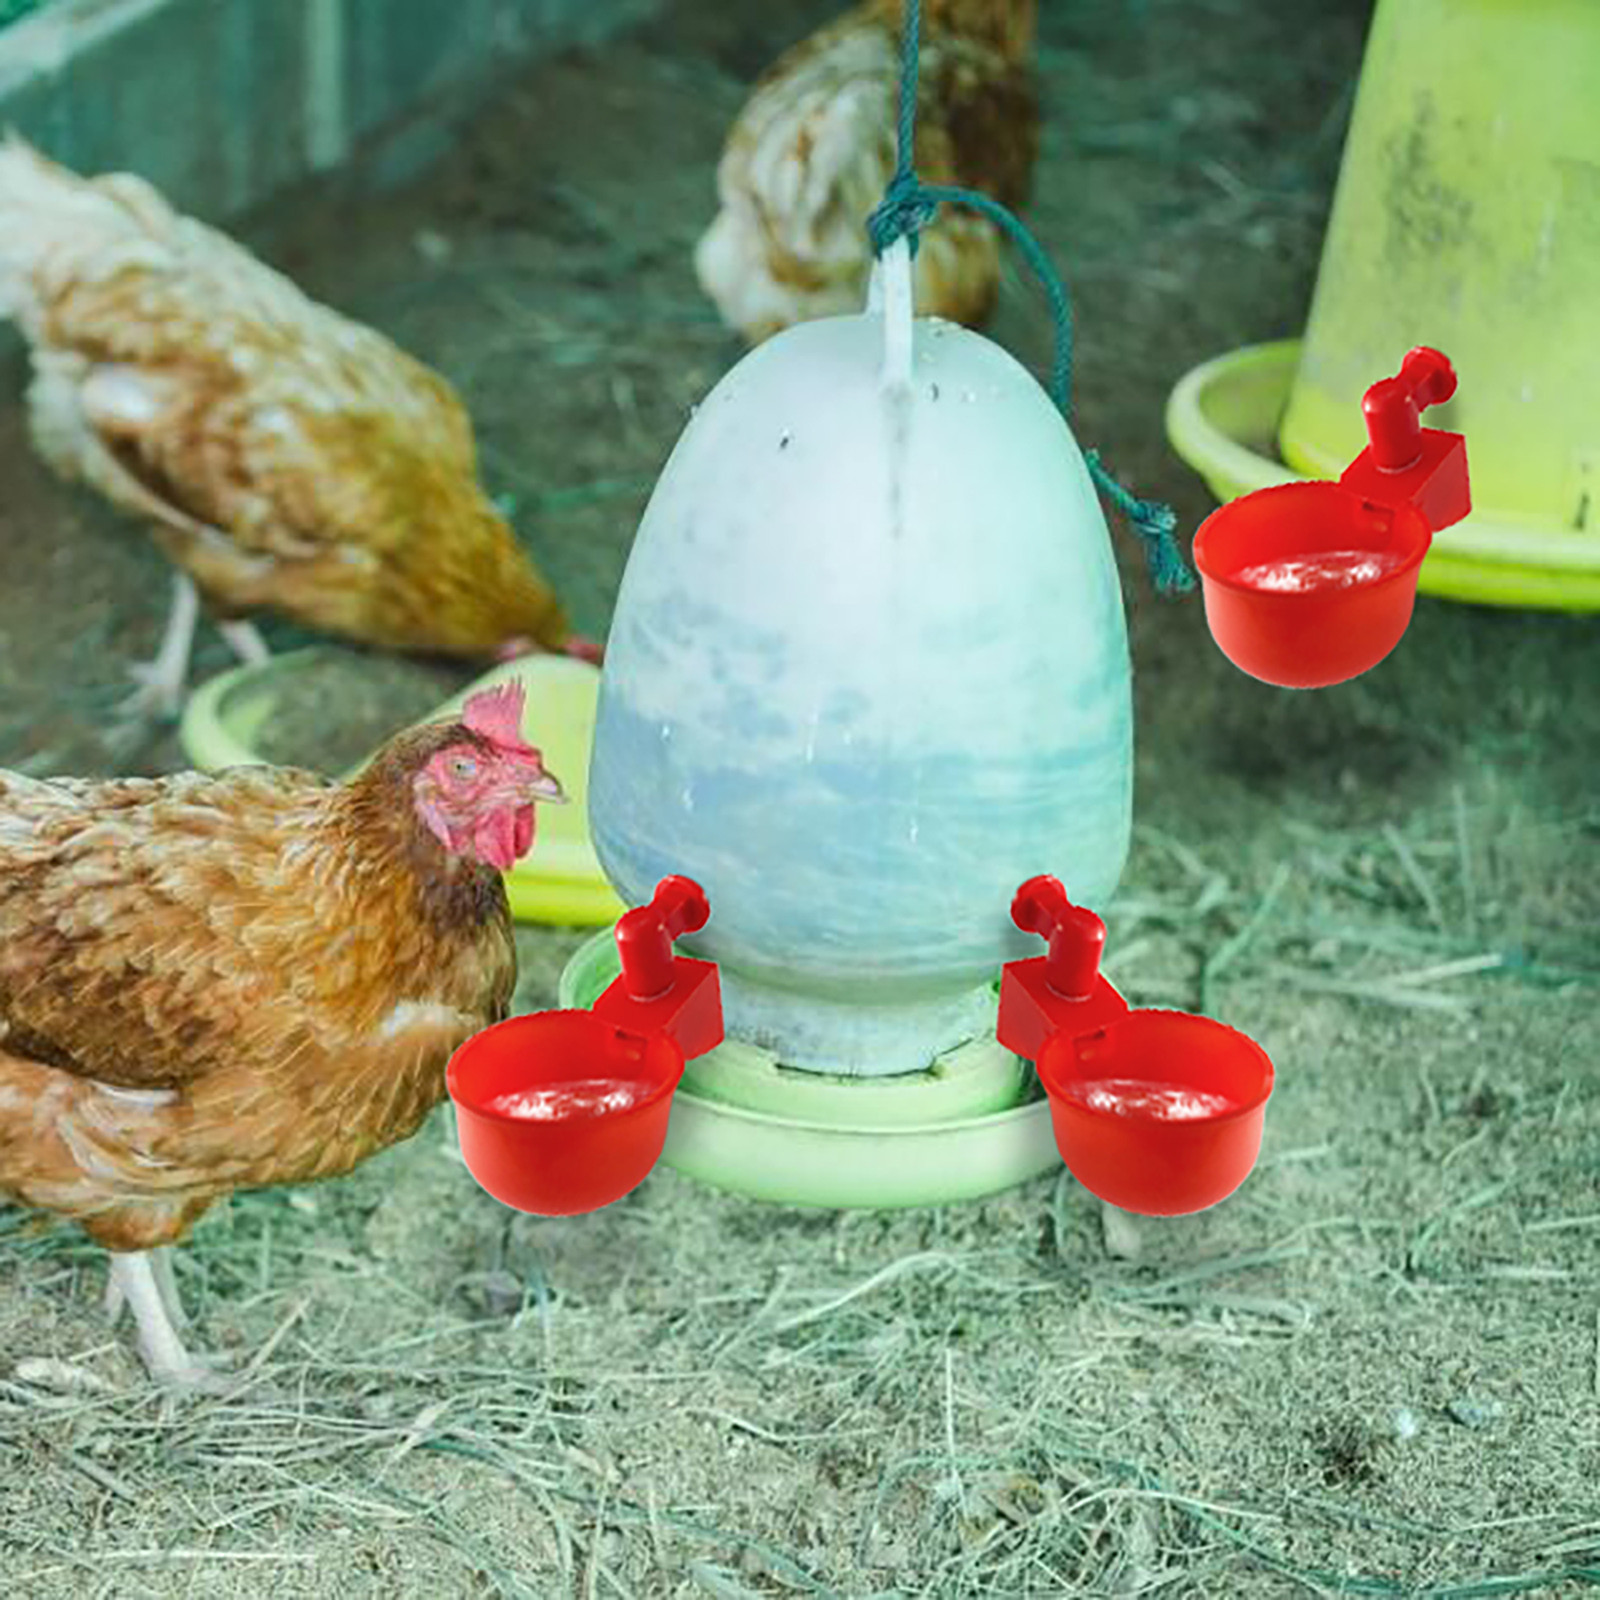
point(245, 640)
point(115, 1300)
point(161, 1268)
point(161, 681)
point(1120, 1232)
point(135, 1275)
point(452, 1136)
point(166, 1282)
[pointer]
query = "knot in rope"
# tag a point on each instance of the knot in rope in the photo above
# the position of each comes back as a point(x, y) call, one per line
point(905, 210)
point(1156, 525)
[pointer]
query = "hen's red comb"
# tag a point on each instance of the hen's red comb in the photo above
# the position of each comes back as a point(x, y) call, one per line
point(497, 713)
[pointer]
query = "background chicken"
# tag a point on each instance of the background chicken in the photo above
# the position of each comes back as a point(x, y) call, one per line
point(209, 983)
point(813, 150)
point(285, 457)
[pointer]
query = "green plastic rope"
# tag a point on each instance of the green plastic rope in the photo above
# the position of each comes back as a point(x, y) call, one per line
point(909, 205)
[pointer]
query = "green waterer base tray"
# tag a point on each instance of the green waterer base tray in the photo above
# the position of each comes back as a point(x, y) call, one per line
point(741, 1122)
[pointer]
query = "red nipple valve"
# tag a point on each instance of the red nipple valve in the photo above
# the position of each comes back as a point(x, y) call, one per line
point(1063, 990)
point(1403, 460)
point(1393, 407)
point(1077, 936)
point(645, 935)
point(659, 991)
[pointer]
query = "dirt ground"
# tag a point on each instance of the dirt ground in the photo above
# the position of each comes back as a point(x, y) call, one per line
point(1374, 1371)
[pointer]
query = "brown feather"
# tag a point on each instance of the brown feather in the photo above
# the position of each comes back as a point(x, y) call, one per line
point(215, 982)
point(286, 457)
point(813, 150)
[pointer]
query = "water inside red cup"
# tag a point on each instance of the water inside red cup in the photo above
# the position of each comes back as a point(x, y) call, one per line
point(1330, 569)
point(581, 1097)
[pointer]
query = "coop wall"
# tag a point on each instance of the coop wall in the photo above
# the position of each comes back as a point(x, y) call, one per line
point(222, 103)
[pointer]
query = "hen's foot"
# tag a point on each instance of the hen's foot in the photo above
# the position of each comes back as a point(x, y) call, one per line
point(159, 696)
point(244, 639)
point(199, 1375)
point(162, 681)
point(1120, 1233)
point(142, 1280)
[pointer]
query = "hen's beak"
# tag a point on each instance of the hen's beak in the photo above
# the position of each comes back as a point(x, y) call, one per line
point(547, 788)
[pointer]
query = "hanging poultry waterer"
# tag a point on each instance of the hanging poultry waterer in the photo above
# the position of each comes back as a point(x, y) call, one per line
point(1309, 584)
point(1466, 217)
point(868, 669)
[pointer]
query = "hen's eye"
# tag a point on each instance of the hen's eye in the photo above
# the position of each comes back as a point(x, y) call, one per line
point(463, 768)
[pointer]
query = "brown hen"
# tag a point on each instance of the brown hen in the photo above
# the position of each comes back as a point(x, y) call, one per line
point(814, 148)
point(258, 977)
point(285, 457)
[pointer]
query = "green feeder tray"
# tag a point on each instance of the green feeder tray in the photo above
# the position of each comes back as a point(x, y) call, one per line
point(961, 1130)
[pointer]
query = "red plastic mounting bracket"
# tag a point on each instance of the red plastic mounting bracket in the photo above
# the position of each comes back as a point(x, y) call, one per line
point(659, 991)
point(1062, 991)
point(1403, 460)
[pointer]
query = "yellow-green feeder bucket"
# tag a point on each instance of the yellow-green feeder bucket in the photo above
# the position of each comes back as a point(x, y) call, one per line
point(1466, 217)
